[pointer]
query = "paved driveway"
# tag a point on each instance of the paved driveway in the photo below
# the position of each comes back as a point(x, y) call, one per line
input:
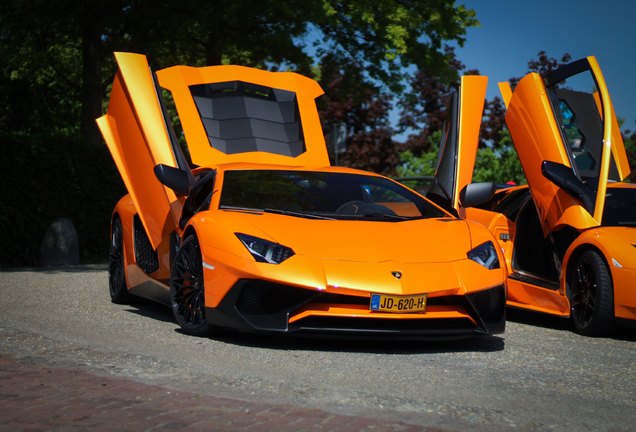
point(539, 375)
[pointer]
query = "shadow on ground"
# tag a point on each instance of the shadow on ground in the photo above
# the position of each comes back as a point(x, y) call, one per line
point(87, 268)
point(371, 346)
point(561, 323)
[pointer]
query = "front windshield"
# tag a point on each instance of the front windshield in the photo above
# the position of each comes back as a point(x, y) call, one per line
point(333, 195)
point(620, 207)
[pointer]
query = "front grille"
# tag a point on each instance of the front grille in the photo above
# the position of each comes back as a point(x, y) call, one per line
point(145, 255)
point(489, 304)
point(380, 324)
point(266, 298)
point(331, 298)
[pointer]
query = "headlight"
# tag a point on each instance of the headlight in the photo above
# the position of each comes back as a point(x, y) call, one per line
point(486, 255)
point(265, 251)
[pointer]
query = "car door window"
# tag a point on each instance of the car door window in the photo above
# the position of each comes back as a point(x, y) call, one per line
point(578, 109)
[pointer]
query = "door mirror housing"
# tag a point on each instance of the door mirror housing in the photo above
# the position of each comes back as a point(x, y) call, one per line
point(564, 177)
point(475, 194)
point(174, 178)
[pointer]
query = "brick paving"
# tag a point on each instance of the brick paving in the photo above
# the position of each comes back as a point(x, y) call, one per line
point(41, 398)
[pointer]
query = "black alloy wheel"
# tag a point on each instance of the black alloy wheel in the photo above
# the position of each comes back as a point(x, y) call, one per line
point(116, 266)
point(187, 291)
point(592, 296)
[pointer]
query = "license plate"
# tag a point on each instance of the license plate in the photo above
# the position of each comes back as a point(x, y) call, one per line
point(391, 303)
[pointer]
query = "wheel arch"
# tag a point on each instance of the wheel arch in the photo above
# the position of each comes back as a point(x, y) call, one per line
point(578, 248)
point(116, 295)
point(190, 230)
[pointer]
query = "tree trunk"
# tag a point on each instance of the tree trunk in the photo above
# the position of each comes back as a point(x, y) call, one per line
point(213, 50)
point(92, 72)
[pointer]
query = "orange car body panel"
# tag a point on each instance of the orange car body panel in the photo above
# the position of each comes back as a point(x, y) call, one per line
point(616, 244)
point(537, 138)
point(352, 258)
point(506, 92)
point(500, 226)
point(530, 110)
point(472, 98)
point(460, 139)
point(360, 263)
point(178, 79)
point(521, 294)
point(531, 120)
point(134, 118)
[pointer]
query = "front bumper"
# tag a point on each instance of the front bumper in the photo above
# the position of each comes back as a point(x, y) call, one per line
point(258, 306)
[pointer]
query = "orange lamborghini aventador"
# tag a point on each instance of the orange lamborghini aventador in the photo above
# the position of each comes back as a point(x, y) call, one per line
point(569, 237)
point(262, 235)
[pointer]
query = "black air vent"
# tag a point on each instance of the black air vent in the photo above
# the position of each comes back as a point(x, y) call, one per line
point(145, 255)
point(266, 298)
point(489, 303)
point(241, 117)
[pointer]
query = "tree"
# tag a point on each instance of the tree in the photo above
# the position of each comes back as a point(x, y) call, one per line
point(52, 62)
point(56, 69)
point(425, 108)
point(351, 99)
point(384, 37)
point(67, 46)
point(424, 165)
point(500, 165)
point(543, 65)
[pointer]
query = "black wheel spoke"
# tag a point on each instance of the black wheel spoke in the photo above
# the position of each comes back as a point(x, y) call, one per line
point(187, 289)
point(591, 298)
point(116, 267)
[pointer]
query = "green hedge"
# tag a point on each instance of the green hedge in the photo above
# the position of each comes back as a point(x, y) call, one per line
point(45, 178)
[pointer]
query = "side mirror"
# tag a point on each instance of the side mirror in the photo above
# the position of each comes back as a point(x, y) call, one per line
point(564, 177)
point(174, 178)
point(475, 194)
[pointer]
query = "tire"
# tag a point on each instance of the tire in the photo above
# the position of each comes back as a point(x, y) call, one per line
point(592, 296)
point(187, 290)
point(117, 266)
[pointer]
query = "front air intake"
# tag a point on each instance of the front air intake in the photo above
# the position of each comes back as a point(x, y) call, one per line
point(489, 303)
point(266, 298)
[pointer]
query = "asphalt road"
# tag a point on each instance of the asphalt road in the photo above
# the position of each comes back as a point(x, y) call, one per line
point(539, 375)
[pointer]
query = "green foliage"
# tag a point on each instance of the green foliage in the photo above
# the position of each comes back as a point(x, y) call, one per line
point(499, 166)
point(422, 166)
point(56, 69)
point(385, 36)
point(52, 176)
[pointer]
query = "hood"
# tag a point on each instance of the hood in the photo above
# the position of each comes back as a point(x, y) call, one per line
point(417, 241)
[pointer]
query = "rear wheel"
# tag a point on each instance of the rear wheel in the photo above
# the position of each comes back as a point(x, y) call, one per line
point(187, 290)
point(117, 266)
point(592, 296)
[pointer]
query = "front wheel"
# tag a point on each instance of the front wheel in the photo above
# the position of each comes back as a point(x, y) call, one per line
point(187, 290)
point(592, 296)
point(116, 266)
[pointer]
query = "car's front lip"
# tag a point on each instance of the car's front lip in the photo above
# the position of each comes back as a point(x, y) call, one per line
point(258, 306)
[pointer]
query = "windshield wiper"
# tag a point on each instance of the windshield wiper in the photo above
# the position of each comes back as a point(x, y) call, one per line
point(385, 216)
point(240, 209)
point(627, 223)
point(297, 214)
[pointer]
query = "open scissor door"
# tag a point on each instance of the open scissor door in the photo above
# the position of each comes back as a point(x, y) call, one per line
point(569, 143)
